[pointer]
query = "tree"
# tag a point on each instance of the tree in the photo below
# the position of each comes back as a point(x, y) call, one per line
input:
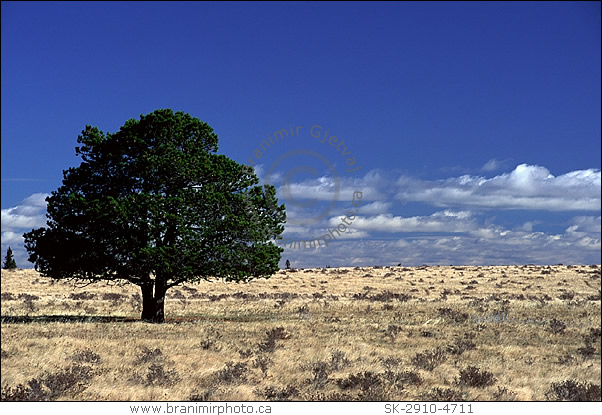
point(155, 205)
point(9, 260)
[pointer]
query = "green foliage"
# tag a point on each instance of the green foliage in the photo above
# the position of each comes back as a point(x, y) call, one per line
point(154, 204)
point(9, 260)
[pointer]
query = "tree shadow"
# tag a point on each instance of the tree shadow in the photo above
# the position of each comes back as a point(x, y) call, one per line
point(8, 319)
point(65, 319)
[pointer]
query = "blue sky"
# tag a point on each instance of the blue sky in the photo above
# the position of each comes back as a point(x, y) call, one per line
point(474, 127)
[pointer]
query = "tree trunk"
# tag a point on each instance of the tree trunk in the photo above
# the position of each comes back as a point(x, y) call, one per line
point(148, 302)
point(153, 306)
point(160, 290)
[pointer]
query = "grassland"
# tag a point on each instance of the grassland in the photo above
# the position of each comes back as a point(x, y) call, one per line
point(370, 333)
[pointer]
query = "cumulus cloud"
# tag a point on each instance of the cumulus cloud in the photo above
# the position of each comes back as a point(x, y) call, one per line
point(486, 244)
point(464, 228)
point(375, 208)
point(495, 165)
point(327, 188)
point(27, 215)
point(323, 187)
point(526, 187)
point(590, 224)
point(444, 221)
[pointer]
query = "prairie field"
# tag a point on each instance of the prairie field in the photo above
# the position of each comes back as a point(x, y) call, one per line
point(429, 333)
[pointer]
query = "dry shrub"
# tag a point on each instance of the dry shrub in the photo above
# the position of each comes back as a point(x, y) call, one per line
point(443, 394)
point(158, 376)
point(28, 300)
point(567, 295)
point(503, 394)
point(303, 311)
point(392, 331)
point(566, 359)
point(377, 386)
point(82, 296)
point(371, 386)
point(263, 362)
point(51, 386)
point(72, 379)
point(455, 316)
point(556, 326)
point(272, 336)
point(203, 396)
point(361, 380)
point(385, 296)
point(407, 377)
point(190, 290)
point(233, 373)
point(114, 298)
point(85, 356)
point(177, 295)
point(245, 353)
point(338, 360)
point(573, 390)
point(390, 363)
point(273, 393)
point(474, 377)
point(148, 355)
point(7, 297)
point(587, 351)
point(429, 359)
point(593, 335)
point(320, 372)
point(460, 346)
point(211, 342)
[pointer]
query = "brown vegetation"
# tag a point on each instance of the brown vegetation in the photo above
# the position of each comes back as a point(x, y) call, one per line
point(366, 333)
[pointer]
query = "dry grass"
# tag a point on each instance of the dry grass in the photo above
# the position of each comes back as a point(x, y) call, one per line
point(382, 333)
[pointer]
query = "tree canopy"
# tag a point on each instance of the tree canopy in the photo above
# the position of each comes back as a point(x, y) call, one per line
point(154, 204)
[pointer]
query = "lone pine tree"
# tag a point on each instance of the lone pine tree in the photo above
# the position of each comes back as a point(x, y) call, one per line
point(155, 205)
point(9, 260)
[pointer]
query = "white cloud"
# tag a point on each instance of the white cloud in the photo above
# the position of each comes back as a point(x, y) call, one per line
point(327, 188)
point(12, 239)
point(461, 231)
point(526, 187)
point(27, 215)
point(445, 221)
point(467, 238)
point(591, 224)
point(495, 165)
point(375, 208)
point(484, 245)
